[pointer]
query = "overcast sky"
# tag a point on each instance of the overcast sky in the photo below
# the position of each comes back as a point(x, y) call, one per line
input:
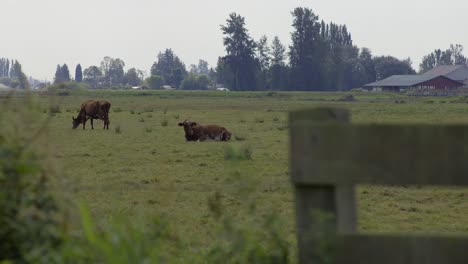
point(44, 33)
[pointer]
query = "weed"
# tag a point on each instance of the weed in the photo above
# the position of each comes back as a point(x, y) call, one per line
point(117, 109)
point(164, 122)
point(118, 130)
point(54, 109)
point(237, 152)
point(239, 138)
point(148, 109)
point(149, 129)
point(259, 120)
point(132, 112)
point(141, 120)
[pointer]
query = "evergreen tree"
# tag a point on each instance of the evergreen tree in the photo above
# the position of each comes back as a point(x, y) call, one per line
point(239, 64)
point(58, 74)
point(78, 73)
point(365, 58)
point(169, 67)
point(65, 73)
point(278, 52)
point(304, 52)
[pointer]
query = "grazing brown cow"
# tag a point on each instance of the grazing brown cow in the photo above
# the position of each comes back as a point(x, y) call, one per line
point(93, 110)
point(195, 131)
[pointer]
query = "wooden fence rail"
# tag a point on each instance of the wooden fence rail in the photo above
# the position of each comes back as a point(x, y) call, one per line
point(329, 156)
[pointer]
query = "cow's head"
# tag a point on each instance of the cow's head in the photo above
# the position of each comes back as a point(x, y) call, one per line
point(226, 135)
point(76, 122)
point(188, 125)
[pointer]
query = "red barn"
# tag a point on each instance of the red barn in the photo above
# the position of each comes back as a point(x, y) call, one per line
point(446, 77)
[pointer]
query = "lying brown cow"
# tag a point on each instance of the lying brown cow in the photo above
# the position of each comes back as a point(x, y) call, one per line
point(93, 110)
point(195, 131)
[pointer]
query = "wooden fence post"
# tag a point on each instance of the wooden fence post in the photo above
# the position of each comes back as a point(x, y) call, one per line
point(329, 156)
point(323, 210)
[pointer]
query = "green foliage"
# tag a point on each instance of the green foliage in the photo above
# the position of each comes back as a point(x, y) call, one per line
point(386, 66)
point(238, 69)
point(170, 68)
point(113, 72)
point(155, 82)
point(120, 242)
point(29, 216)
point(195, 82)
point(452, 56)
point(66, 86)
point(133, 77)
point(93, 76)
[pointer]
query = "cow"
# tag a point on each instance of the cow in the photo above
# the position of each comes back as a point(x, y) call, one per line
point(92, 109)
point(195, 132)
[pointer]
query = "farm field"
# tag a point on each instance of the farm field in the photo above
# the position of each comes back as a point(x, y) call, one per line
point(143, 168)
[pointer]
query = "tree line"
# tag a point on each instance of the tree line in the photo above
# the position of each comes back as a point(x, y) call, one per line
point(12, 75)
point(321, 57)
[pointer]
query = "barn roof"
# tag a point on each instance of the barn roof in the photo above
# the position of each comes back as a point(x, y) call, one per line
point(398, 80)
point(405, 80)
point(454, 72)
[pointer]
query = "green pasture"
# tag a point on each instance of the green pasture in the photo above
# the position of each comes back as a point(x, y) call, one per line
point(143, 168)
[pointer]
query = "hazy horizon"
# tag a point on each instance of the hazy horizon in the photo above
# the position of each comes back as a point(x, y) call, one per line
point(42, 34)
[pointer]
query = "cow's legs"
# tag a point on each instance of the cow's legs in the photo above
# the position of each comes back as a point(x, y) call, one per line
point(92, 126)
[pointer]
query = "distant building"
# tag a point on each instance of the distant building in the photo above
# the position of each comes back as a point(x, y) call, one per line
point(445, 77)
point(222, 89)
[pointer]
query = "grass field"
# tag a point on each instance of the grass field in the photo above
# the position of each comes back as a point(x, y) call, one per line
point(143, 168)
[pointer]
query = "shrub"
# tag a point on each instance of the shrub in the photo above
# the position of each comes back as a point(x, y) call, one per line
point(28, 212)
point(155, 82)
point(347, 98)
point(194, 82)
point(29, 215)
